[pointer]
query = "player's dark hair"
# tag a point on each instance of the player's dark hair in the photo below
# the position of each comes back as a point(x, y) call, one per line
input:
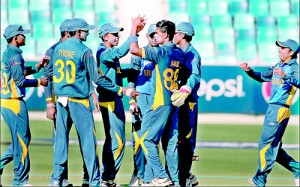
point(72, 33)
point(166, 26)
point(188, 38)
point(294, 56)
point(9, 40)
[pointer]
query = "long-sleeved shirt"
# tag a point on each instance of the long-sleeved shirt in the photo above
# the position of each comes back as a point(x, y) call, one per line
point(13, 74)
point(109, 66)
point(282, 92)
point(190, 73)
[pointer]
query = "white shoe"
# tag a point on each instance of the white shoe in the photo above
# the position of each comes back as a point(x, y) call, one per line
point(134, 181)
point(147, 184)
point(66, 183)
point(250, 181)
point(55, 183)
point(26, 184)
point(297, 182)
point(193, 180)
point(162, 182)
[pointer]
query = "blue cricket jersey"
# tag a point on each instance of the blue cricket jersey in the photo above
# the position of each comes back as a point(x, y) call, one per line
point(109, 66)
point(13, 74)
point(145, 67)
point(74, 69)
point(282, 92)
point(168, 59)
point(190, 73)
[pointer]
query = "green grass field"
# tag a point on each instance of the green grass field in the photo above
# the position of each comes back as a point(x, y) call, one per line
point(216, 167)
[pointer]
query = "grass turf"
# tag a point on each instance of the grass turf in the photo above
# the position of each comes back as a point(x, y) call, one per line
point(216, 167)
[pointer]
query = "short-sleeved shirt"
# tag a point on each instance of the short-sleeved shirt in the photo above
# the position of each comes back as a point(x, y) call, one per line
point(74, 69)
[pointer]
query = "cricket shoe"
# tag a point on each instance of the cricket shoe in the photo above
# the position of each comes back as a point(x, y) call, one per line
point(193, 180)
point(147, 184)
point(250, 181)
point(26, 185)
point(66, 183)
point(85, 183)
point(55, 183)
point(134, 181)
point(109, 183)
point(162, 182)
point(297, 181)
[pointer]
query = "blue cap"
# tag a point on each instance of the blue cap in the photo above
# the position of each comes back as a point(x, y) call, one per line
point(109, 28)
point(13, 30)
point(292, 44)
point(65, 25)
point(151, 29)
point(78, 23)
point(186, 28)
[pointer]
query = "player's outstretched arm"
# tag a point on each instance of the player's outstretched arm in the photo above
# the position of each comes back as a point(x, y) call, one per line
point(138, 24)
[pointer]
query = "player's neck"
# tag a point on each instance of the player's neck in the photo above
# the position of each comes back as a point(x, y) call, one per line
point(183, 44)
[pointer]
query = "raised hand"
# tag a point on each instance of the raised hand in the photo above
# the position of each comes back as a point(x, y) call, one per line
point(138, 23)
point(244, 66)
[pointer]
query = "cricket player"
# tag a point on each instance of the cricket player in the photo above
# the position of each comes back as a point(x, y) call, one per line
point(187, 100)
point(278, 113)
point(141, 70)
point(50, 98)
point(111, 104)
point(13, 107)
point(161, 118)
point(73, 69)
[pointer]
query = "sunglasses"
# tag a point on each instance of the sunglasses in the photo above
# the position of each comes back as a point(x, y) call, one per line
point(85, 31)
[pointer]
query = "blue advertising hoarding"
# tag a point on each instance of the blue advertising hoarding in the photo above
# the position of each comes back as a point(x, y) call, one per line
point(224, 89)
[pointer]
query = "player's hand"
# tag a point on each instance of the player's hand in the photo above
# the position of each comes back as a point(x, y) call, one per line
point(43, 62)
point(130, 92)
point(134, 109)
point(44, 81)
point(279, 71)
point(95, 102)
point(51, 111)
point(139, 23)
point(179, 96)
point(244, 66)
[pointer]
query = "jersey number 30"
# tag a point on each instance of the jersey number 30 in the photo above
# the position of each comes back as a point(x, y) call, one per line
point(66, 70)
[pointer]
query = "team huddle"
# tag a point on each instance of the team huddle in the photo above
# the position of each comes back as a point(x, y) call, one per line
point(163, 80)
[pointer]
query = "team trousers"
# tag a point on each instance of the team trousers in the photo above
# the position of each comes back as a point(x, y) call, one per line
point(77, 111)
point(270, 145)
point(15, 115)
